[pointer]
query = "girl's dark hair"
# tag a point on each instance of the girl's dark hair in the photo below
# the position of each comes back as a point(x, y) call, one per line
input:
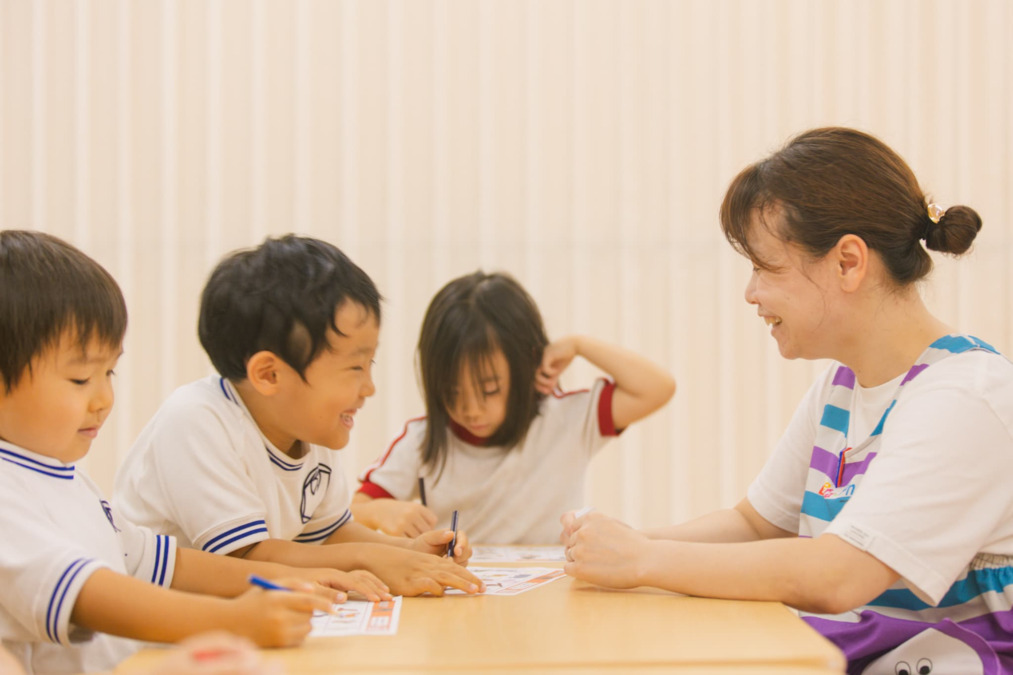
point(835, 181)
point(466, 322)
point(280, 297)
point(47, 288)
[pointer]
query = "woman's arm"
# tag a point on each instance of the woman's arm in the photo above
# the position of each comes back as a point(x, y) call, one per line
point(741, 523)
point(824, 575)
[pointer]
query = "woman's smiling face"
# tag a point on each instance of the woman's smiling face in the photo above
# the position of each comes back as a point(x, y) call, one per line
point(792, 292)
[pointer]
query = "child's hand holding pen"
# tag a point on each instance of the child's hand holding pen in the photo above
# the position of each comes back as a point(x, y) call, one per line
point(278, 619)
point(436, 542)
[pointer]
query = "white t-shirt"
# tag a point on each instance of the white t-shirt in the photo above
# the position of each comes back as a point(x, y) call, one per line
point(947, 450)
point(925, 490)
point(202, 471)
point(57, 531)
point(505, 496)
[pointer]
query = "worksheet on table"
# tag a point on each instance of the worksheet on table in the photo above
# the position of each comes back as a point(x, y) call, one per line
point(359, 617)
point(484, 554)
point(512, 580)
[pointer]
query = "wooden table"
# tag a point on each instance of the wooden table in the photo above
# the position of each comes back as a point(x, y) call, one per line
point(570, 628)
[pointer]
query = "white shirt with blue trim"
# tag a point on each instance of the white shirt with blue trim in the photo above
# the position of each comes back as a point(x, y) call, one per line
point(57, 531)
point(202, 471)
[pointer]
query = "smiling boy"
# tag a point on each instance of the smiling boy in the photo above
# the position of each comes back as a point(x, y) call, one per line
point(242, 463)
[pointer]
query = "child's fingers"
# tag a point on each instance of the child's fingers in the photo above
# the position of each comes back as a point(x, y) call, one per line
point(428, 517)
point(422, 520)
point(437, 538)
point(335, 596)
point(369, 586)
point(302, 603)
point(296, 631)
point(464, 576)
point(448, 580)
point(462, 551)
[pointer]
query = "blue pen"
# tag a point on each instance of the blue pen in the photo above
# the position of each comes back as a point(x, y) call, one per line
point(453, 542)
point(264, 583)
point(271, 586)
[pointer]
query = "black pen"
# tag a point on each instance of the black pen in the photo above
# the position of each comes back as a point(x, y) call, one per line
point(422, 490)
point(453, 542)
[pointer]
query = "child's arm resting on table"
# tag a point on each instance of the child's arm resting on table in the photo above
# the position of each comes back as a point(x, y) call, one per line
point(121, 605)
point(392, 516)
point(404, 571)
point(641, 385)
point(228, 576)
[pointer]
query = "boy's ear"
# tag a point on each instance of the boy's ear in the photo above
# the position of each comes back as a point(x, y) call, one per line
point(262, 372)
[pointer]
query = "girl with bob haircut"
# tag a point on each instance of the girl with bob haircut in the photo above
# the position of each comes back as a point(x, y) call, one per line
point(880, 514)
point(501, 443)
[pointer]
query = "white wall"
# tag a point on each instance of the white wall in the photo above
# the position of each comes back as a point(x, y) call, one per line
point(582, 145)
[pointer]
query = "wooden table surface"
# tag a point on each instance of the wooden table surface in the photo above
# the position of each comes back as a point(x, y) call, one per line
point(568, 627)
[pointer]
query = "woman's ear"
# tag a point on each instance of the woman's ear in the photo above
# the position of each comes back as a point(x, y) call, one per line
point(262, 372)
point(852, 257)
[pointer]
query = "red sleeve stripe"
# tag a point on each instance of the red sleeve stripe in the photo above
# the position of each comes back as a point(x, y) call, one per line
point(606, 425)
point(364, 478)
point(375, 491)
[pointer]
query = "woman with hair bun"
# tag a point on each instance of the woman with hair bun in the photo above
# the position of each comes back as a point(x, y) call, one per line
point(883, 513)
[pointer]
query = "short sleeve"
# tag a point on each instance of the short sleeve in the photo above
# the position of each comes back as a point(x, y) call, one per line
point(777, 491)
point(191, 480)
point(936, 494)
point(147, 556)
point(395, 474)
point(41, 573)
point(590, 411)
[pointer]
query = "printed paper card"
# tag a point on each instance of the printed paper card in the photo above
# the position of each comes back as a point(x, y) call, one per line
point(359, 617)
point(512, 580)
point(485, 554)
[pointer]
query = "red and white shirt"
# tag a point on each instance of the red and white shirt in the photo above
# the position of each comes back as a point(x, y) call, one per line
point(504, 495)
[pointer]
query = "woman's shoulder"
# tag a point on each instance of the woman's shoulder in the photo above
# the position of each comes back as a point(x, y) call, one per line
point(980, 378)
point(975, 368)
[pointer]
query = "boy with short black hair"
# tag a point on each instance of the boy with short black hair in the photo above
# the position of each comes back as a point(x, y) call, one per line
point(71, 567)
point(242, 463)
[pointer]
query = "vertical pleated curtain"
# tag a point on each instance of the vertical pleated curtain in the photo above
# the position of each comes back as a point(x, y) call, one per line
point(582, 145)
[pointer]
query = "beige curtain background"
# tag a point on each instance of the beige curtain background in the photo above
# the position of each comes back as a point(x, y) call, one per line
point(582, 145)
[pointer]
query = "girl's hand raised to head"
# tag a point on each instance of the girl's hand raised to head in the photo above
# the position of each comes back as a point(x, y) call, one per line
point(557, 357)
